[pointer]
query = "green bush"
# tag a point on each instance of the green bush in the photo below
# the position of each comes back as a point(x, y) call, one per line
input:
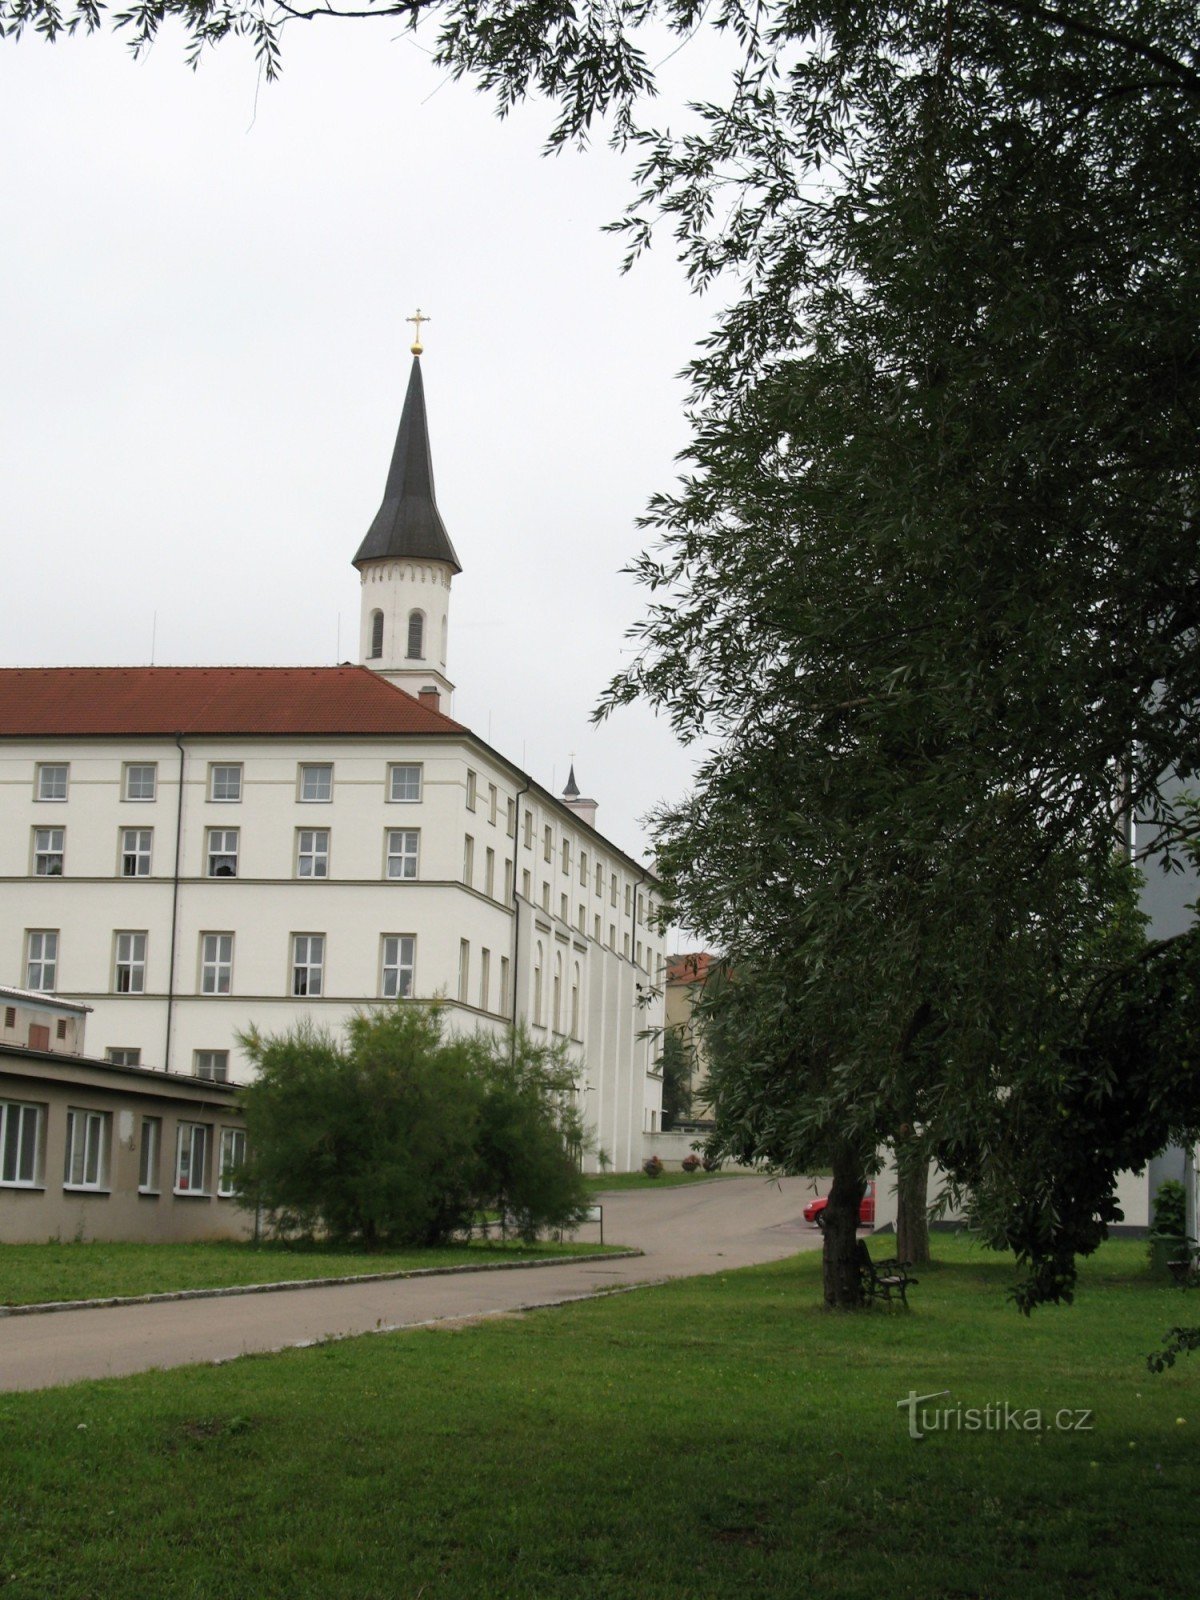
point(1170, 1208)
point(403, 1135)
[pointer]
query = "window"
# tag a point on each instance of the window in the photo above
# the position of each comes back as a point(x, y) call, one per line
point(222, 852)
point(399, 961)
point(583, 869)
point(575, 1003)
point(225, 784)
point(566, 855)
point(20, 1143)
point(529, 830)
point(51, 782)
point(612, 893)
point(41, 959)
point(508, 880)
point(60, 1029)
point(123, 1055)
point(48, 846)
point(502, 997)
point(493, 803)
point(596, 927)
point(625, 950)
point(640, 907)
point(212, 1065)
point(464, 968)
point(141, 783)
point(376, 649)
point(564, 914)
point(191, 1158)
point(612, 935)
point(489, 873)
point(216, 963)
point(151, 1151)
point(135, 852)
point(312, 853)
point(510, 822)
point(557, 991)
point(316, 784)
point(416, 636)
point(546, 897)
point(527, 884)
point(10, 1016)
point(308, 963)
point(86, 1164)
point(599, 877)
point(581, 920)
point(129, 965)
point(468, 859)
point(485, 977)
point(537, 985)
point(638, 953)
point(470, 790)
point(628, 898)
point(548, 845)
point(402, 849)
point(404, 783)
point(233, 1154)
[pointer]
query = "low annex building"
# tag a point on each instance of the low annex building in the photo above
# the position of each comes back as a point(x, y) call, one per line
point(195, 851)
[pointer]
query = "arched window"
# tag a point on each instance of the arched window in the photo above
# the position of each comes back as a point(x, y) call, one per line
point(416, 636)
point(537, 986)
point(376, 635)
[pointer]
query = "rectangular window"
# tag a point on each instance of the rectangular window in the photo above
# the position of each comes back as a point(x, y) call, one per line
point(316, 783)
point(596, 927)
point(123, 1055)
point(493, 803)
point(41, 958)
point(312, 852)
point(402, 848)
point(222, 853)
point(212, 1065)
point(566, 855)
point(86, 1164)
point(583, 870)
point(612, 894)
point(216, 963)
point(548, 844)
point(191, 1158)
point(150, 1155)
point(404, 784)
point(546, 897)
point(625, 947)
point(10, 1016)
point(508, 881)
point(510, 823)
point(564, 914)
point(599, 877)
point(399, 962)
point(233, 1154)
point(628, 898)
point(529, 830)
point(225, 784)
point(51, 780)
point(581, 920)
point(48, 847)
point(502, 997)
point(135, 852)
point(464, 968)
point(141, 782)
point(20, 1143)
point(527, 884)
point(489, 873)
point(485, 977)
point(638, 953)
point(470, 790)
point(308, 963)
point(612, 936)
point(129, 963)
point(468, 859)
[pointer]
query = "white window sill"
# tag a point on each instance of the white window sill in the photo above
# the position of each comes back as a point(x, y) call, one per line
point(152, 1194)
point(192, 1194)
point(86, 1188)
point(15, 1183)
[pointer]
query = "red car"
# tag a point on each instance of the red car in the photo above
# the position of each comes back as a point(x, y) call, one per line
point(814, 1211)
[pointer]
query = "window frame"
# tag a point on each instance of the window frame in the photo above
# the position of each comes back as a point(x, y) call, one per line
point(48, 852)
point(43, 961)
point(218, 1064)
point(399, 966)
point(133, 964)
point(150, 1156)
point(472, 788)
point(20, 1144)
point(42, 771)
point(94, 1122)
point(316, 855)
point(395, 768)
point(303, 770)
point(137, 854)
point(218, 963)
point(127, 771)
point(225, 767)
point(231, 1153)
point(213, 855)
point(189, 1130)
point(403, 855)
point(116, 1055)
point(307, 966)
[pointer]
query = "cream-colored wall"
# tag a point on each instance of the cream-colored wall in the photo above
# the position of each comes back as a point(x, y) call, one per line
point(1133, 1195)
point(397, 588)
point(354, 907)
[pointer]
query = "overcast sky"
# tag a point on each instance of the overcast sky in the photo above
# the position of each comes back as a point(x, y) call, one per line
point(204, 355)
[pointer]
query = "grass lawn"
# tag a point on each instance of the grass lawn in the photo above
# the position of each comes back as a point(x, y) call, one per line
point(601, 1184)
point(33, 1273)
point(716, 1436)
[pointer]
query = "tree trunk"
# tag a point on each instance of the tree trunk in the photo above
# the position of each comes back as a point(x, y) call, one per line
point(842, 1286)
point(912, 1203)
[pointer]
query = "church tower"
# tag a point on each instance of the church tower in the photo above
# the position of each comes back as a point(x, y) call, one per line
point(406, 562)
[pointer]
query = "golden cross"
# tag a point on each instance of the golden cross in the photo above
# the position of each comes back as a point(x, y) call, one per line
point(417, 346)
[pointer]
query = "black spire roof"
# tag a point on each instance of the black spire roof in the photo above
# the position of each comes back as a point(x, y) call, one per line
point(571, 792)
point(408, 522)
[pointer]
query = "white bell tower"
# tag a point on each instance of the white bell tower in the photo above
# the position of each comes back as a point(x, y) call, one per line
point(406, 562)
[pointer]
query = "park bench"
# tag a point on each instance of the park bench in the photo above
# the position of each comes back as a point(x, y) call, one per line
point(881, 1279)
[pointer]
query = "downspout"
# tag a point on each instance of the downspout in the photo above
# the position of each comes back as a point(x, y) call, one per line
point(516, 903)
point(174, 906)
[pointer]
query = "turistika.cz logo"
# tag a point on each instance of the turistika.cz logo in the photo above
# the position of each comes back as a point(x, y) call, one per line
point(999, 1416)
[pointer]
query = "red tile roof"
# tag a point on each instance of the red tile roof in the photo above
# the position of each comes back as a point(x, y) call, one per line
point(60, 702)
point(690, 969)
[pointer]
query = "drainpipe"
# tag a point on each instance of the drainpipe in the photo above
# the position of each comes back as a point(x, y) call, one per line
point(174, 907)
point(516, 902)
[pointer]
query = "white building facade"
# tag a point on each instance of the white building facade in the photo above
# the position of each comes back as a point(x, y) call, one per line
point(195, 852)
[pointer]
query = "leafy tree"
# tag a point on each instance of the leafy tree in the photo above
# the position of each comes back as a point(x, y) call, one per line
point(402, 1135)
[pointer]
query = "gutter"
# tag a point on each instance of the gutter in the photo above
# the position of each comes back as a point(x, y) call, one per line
point(174, 907)
point(516, 901)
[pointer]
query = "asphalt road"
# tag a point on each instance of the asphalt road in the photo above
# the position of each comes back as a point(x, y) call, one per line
point(684, 1231)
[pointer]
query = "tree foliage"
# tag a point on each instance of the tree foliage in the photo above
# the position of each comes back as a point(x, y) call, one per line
point(404, 1135)
point(677, 1064)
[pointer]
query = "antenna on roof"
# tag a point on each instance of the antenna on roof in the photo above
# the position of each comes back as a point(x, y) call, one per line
point(153, 637)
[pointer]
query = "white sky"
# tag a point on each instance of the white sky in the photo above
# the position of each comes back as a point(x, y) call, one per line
point(203, 356)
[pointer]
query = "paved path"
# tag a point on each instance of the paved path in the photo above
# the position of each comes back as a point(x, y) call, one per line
point(732, 1222)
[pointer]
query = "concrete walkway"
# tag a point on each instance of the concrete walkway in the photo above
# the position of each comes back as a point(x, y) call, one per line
point(732, 1222)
